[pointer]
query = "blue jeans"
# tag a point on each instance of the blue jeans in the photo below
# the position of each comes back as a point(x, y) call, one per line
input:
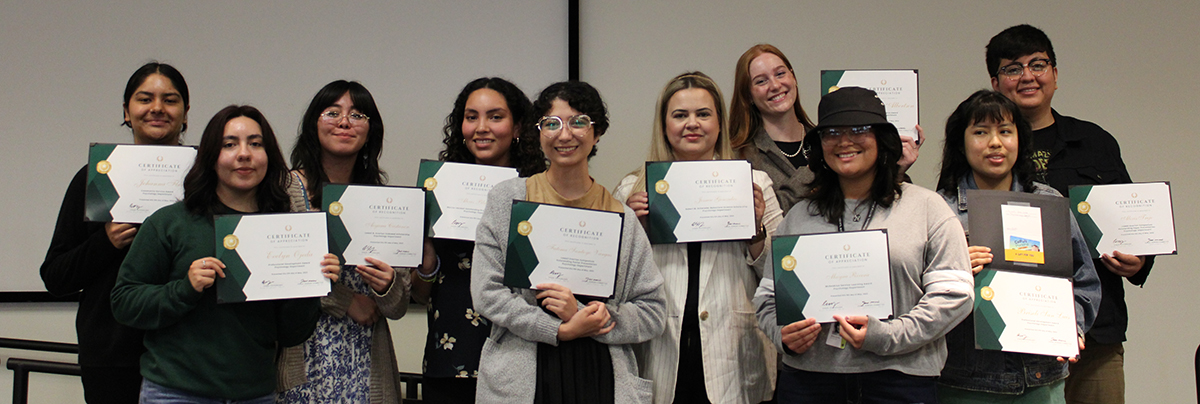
point(882, 387)
point(154, 393)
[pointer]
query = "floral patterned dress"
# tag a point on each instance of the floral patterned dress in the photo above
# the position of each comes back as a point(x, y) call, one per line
point(456, 331)
point(338, 356)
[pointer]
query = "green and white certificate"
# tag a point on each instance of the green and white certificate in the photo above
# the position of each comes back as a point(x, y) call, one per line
point(382, 222)
point(456, 194)
point(896, 88)
point(820, 275)
point(126, 183)
point(699, 201)
point(1016, 312)
point(1131, 218)
point(271, 256)
point(572, 247)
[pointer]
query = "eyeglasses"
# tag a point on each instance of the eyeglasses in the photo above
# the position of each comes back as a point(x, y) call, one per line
point(335, 117)
point(1037, 68)
point(551, 125)
point(833, 136)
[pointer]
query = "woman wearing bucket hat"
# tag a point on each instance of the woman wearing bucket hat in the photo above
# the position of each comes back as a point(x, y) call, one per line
point(855, 186)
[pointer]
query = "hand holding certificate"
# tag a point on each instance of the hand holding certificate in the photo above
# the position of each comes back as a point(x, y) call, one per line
point(822, 275)
point(573, 247)
point(126, 183)
point(383, 222)
point(1134, 219)
point(699, 201)
point(271, 256)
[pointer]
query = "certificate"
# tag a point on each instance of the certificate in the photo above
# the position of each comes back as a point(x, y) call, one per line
point(1027, 232)
point(382, 222)
point(896, 88)
point(1131, 218)
point(572, 247)
point(820, 275)
point(1016, 312)
point(126, 183)
point(699, 201)
point(456, 194)
point(271, 256)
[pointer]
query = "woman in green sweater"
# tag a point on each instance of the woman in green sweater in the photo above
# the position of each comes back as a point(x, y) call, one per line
point(197, 350)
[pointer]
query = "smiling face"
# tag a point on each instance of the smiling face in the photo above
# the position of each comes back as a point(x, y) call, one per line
point(852, 158)
point(488, 127)
point(691, 124)
point(242, 163)
point(991, 150)
point(156, 112)
point(568, 147)
point(1030, 92)
point(772, 85)
point(342, 137)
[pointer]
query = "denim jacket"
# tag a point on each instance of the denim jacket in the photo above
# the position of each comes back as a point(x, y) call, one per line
point(1007, 372)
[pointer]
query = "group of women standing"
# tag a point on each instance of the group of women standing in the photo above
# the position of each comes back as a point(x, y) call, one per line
point(690, 322)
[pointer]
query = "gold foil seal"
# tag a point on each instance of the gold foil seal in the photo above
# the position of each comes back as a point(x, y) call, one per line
point(986, 293)
point(335, 208)
point(788, 263)
point(430, 183)
point(103, 167)
point(524, 228)
point(661, 187)
point(230, 242)
point(1083, 207)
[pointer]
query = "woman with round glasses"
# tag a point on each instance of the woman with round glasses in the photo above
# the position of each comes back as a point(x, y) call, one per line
point(711, 350)
point(487, 126)
point(856, 187)
point(768, 125)
point(84, 256)
point(547, 345)
point(989, 145)
point(350, 357)
point(196, 349)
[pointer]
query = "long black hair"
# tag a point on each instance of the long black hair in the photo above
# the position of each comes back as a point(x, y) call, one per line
point(827, 199)
point(984, 106)
point(525, 154)
point(200, 184)
point(306, 153)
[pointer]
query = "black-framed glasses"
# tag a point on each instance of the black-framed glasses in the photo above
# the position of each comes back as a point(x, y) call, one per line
point(834, 135)
point(551, 125)
point(1037, 68)
point(336, 116)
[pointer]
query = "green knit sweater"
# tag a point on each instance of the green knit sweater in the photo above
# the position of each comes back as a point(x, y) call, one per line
point(224, 351)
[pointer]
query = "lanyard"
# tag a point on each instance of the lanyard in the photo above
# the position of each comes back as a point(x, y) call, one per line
point(867, 220)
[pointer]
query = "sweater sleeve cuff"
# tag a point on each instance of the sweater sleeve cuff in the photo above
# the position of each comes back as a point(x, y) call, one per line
point(877, 333)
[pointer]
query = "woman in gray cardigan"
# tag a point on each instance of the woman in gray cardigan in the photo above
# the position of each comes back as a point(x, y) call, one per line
point(545, 346)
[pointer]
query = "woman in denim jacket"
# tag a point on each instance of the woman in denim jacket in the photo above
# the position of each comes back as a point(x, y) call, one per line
point(988, 146)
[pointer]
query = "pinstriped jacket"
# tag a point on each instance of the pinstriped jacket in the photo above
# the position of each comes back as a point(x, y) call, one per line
point(739, 360)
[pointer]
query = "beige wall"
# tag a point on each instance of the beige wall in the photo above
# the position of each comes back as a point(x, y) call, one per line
point(1128, 66)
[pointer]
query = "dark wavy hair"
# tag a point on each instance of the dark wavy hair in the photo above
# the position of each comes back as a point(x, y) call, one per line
point(984, 106)
point(139, 76)
point(306, 153)
point(579, 95)
point(826, 197)
point(200, 184)
point(525, 154)
point(1015, 42)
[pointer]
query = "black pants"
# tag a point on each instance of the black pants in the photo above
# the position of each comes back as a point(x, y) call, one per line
point(111, 384)
point(448, 390)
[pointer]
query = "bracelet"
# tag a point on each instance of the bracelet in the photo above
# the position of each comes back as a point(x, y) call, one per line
point(433, 275)
point(760, 235)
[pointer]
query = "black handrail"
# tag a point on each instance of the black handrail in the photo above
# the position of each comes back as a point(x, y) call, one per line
point(22, 367)
point(31, 345)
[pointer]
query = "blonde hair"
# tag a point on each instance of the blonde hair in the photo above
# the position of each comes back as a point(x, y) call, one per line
point(660, 148)
point(745, 119)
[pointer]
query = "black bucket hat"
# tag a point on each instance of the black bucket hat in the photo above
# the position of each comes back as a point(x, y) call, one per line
point(851, 106)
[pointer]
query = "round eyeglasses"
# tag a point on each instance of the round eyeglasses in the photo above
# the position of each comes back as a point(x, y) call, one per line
point(833, 136)
point(1037, 68)
point(551, 125)
point(336, 116)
